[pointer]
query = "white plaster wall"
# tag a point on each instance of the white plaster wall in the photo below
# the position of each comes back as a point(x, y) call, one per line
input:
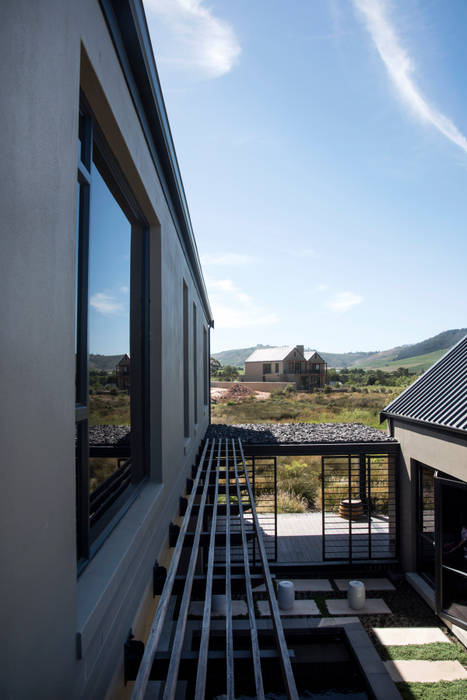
point(45, 608)
point(39, 79)
point(436, 450)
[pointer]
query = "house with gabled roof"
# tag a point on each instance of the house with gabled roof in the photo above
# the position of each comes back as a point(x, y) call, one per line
point(429, 420)
point(289, 363)
point(123, 372)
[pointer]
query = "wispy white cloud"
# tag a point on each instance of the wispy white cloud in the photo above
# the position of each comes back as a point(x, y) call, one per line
point(188, 36)
point(309, 253)
point(124, 289)
point(343, 301)
point(106, 304)
point(227, 259)
point(232, 308)
point(400, 68)
point(321, 287)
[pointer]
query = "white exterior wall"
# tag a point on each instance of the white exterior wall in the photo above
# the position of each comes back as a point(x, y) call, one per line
point(435, 449)
point(48, 48)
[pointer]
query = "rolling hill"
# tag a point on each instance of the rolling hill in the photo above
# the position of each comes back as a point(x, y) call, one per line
point(416, 356)
point(104, 362)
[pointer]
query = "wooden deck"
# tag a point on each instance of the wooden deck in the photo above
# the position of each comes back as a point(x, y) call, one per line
point(300, 537)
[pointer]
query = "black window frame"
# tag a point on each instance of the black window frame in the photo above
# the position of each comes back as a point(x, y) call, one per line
point(444, 481)
point(186, 376)
point(195, 364)
point(94, 146)
point(205, 367)
point(424, 539)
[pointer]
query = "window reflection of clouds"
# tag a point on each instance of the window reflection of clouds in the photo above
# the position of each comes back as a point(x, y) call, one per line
point(109, 272)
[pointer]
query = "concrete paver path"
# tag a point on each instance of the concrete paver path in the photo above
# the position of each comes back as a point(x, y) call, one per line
point(371, 584)
point(425, 671)
point(304, 585)
point(399, 636)
point(373, 606)
point(301, 607)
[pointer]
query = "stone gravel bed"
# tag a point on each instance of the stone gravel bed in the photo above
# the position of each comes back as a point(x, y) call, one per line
point(260, 433)
point(109, 435)
point(298, 433)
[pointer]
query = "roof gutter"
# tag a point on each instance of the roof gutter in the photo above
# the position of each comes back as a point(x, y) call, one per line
point(431, 426)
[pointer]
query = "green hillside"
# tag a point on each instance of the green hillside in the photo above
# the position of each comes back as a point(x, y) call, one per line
point(104, 362)
point(345, 359)
point(443, 340)
point(417, 356)
point(237, 357)
point(415, 365)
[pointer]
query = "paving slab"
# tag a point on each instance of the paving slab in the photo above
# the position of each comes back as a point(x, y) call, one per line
point(301, 607)
point(425, 671)
point(239, 607)
point(303, 585)
point(371, 584)
point(373, 606)
point(399, 636)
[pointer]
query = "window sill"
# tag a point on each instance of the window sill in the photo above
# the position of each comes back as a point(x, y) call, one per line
point(112, 570)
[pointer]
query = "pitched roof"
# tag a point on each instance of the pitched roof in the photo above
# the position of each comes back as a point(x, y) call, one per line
point(270, 354)
point(313, 355)
point(439, 396)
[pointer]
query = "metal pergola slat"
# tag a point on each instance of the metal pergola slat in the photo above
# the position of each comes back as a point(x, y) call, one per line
point(157, 626)
point(204, 642)
point(249, 591)
point(230, 466)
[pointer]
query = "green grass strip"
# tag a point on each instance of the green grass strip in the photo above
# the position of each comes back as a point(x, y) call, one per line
point(437, 651)
point(443, 690)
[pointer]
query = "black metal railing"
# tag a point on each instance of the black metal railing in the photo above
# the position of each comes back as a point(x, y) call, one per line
point(107, 493)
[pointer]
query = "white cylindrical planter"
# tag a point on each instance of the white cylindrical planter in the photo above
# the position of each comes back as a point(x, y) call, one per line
point(219, 604)
point(356, 595)
point(285, 595)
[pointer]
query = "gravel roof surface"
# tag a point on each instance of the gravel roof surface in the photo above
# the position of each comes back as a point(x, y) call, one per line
point(298, 433)
point(261, 433)
point(109, 435)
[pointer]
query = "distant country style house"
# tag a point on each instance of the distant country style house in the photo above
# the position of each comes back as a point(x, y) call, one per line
point(429, 420)
point(122, 370)
point(287, 364)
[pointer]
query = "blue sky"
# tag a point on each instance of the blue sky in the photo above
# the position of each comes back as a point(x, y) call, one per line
point(323, 150)
point(109, 273)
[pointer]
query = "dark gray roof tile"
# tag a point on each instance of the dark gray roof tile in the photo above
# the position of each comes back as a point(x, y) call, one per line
point(439, 396)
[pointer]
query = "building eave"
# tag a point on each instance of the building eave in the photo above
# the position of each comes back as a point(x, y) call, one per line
point(435, 427)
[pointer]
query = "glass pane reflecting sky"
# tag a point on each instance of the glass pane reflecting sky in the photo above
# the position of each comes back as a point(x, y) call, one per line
point(109, 272)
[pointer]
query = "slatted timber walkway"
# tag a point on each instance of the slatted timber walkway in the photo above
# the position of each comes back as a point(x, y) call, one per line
point(221, 494)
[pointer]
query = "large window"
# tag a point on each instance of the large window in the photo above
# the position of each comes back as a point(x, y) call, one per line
point(186, 379)
point(195, 365)
point(111, 340)
point(425, 521)
point(205, 367)
point(451, 541)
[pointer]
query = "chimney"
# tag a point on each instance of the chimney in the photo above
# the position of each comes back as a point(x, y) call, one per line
point(301, 349)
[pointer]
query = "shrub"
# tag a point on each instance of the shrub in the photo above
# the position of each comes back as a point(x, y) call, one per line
point(300, 479)
point(289, 502)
